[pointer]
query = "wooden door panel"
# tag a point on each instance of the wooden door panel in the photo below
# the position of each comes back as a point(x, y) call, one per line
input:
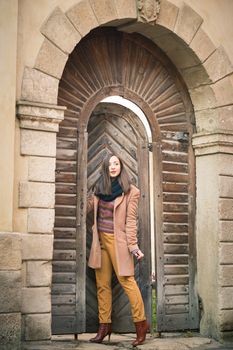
point(105, 136)
point(104, 63)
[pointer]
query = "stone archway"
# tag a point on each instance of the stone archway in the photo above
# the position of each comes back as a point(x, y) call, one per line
point(211, 94)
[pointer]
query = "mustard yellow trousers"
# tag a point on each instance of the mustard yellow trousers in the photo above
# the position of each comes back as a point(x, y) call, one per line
point(103, 283)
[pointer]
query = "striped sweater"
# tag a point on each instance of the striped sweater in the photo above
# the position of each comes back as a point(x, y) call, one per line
point(105, 216)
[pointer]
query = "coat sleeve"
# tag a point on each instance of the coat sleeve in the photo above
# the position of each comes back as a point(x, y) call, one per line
point(131, 220)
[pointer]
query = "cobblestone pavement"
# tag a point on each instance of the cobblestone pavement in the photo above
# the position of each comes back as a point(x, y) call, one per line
point(121, 342)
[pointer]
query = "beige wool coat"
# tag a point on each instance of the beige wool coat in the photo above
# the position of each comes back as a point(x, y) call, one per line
point(125, 231)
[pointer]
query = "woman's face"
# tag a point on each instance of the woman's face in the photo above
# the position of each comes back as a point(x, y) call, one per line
point(114, 166)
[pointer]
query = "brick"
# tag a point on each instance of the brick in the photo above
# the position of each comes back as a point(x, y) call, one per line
point(187, 24)
point(38, 143)
point(36, 194)
point(38, 273)
point(226, 253)
point(40, 220)
point(36, 300)
point(104, 10)
point(37, 247)
point(10, 331)
point(10, 251)
point(41, 169)
point(37, 327)
point(39, 87)
point(51, 60)
point(226, 275)
point(60, 31)
point(168, 14)
point(82, 17)
point(226, 298)
point(10, 291)
point(218, 64)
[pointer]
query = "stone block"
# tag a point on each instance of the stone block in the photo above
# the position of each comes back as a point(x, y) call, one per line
point(226, 231)
point(225, 118)
point(188, 23)
point(36, 300)
point(10, 331)
point(39, 87)
point(226, 298)
point(226, 275)
point(223, 90)
point(202, 98)
point(60, 31)
point(37, 247)
point(38, 273)
point(51, 60)
point(104, 10)
point(10, 251)
point(82, 17)
point(10, 291)
point(207, 120)
point(168, 14)
point(226, 320)
point(41, 169)
point(37, 327)
point(182, 58)
point(202, 45)
point(40, 220)
point(38, 143)
point(226, 187)
point(36, 194)
point(218, 64)
point(226, 208)
point(225, 253)
point(126, 9)
point(195, 76)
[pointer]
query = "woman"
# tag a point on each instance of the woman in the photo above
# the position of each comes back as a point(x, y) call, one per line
point(115, 203)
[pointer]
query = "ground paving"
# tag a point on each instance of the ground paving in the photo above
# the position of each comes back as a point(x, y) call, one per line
point(168, 341)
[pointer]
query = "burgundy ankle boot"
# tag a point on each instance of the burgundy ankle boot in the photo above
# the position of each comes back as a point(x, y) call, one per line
point(104, 329)
point(142, 328)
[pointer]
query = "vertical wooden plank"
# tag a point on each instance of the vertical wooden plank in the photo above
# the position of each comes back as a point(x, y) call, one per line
point(144, 226)
point(159, 248)
point(81, 232)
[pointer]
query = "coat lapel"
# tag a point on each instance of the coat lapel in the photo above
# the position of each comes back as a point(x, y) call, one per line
point(118, 201)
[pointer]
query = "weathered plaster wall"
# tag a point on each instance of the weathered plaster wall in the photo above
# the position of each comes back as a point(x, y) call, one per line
point(8, 49)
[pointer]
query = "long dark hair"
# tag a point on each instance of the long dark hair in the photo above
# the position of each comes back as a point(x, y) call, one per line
point(103, 185)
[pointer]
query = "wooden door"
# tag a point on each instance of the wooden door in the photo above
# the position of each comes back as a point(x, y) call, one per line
point(108, 62)
point(108, 131)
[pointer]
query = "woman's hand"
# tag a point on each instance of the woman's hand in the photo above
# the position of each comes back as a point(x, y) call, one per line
point(139, 254)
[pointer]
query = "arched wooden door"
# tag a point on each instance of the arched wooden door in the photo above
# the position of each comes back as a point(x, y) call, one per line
point(113, 128)
point(108, 62)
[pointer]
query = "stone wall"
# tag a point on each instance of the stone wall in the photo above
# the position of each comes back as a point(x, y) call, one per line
point(36, 195)
point(10, 291)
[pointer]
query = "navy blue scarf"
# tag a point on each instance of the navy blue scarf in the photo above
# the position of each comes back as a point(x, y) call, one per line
point(116, 192)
